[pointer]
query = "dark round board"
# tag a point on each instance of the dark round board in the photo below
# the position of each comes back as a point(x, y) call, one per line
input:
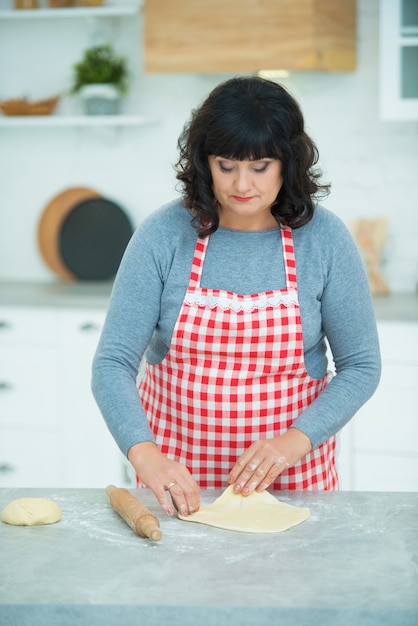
point(93, 238)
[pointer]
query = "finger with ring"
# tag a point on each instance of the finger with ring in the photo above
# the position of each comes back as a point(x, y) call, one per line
point(170, 486)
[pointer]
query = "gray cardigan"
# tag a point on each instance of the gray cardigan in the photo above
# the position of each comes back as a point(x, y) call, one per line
point(334, 297)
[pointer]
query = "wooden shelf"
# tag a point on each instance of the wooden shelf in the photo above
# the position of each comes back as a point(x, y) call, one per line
point(111, 9)
point(74, 120)
point(114, 9)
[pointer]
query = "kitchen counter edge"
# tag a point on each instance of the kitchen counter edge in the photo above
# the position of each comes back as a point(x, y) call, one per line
point(401, 307)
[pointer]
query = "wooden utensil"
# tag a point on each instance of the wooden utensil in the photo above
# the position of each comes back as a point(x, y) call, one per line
point(50, 225)
point(135, 514)
point(371, 236)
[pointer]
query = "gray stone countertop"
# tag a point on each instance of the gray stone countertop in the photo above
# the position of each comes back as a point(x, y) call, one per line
point(354, 561)
point(397, 307)
point(81, 294)
point(394, 307)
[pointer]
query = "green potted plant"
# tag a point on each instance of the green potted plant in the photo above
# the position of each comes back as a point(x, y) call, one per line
point(101, 78)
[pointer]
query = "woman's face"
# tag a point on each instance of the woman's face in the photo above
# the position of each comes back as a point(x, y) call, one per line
point(245, 191)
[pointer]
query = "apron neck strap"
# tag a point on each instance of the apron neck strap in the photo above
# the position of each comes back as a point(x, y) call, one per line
point(288, 256)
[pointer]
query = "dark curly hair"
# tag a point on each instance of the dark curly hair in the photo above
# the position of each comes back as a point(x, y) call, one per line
point(249, 118)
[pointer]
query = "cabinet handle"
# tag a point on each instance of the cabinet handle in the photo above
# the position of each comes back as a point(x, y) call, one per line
point(5, 386)
point(5, 325)
point(6, 468)
point(89, 327)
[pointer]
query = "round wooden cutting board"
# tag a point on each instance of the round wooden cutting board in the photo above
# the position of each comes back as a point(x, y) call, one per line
point(50, 225)
point(82, 236)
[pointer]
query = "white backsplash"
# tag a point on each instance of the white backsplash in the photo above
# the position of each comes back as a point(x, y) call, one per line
point(371, 164)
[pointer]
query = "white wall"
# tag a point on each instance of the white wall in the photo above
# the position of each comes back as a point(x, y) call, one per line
point(372, 164)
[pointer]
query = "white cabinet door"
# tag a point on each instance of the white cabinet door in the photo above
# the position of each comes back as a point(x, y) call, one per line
point(51, 430)
point(92, 458)
point(28, 386)
point(384, 433)
point(30, 458)
point(28, 367)
point(398, 59)
point(389, 421)
point(24, 326)
point(29, 438)
point(385, 472)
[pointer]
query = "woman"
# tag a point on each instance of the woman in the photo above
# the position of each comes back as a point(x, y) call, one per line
point(230, 293)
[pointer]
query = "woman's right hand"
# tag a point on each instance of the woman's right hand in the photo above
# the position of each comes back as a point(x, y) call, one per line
point(164, 476)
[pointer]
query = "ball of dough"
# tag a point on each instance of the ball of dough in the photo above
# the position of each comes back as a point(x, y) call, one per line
point(31, 512)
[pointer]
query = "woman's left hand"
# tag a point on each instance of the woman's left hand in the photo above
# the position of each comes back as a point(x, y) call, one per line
point(258, 467)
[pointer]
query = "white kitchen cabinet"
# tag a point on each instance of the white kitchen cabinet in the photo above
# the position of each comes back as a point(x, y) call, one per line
point(51, 431)
point(28, 386)
point(28, 367)
point(385, 472)
point(398, 59)
point(28, 397)
point(31, 457)
point(92, 457)
point(383, 436)
point(17, 327)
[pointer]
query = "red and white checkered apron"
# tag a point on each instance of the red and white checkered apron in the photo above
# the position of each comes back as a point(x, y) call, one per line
point(235, 373)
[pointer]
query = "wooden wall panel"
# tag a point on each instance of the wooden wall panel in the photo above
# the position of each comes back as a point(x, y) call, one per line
point(335, 34)
point(248, 35)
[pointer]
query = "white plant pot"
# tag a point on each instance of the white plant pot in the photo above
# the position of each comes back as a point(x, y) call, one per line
point(100, 99)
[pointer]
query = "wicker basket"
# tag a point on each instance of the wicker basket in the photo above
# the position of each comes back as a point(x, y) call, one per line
point(90, 3)
point(59, 4)
point(24, 107)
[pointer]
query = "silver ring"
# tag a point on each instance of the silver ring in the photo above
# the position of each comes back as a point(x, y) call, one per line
point(169, 486)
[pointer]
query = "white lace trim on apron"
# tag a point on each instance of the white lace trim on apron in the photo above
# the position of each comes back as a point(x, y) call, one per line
point(243, 303)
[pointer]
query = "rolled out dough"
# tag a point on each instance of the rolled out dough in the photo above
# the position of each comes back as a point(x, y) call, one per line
point(256, 513)
point(31, 512)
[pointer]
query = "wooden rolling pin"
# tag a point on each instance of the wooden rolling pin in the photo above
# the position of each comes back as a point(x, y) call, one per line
point(135, 514)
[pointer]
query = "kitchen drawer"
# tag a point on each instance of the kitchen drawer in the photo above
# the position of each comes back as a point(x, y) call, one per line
point(92, 458)
point(398, 341)
point(81, 329)
point(30, 459)
point(27, 325)
point(28, 386)
point(389, 420)
point(385, 472)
